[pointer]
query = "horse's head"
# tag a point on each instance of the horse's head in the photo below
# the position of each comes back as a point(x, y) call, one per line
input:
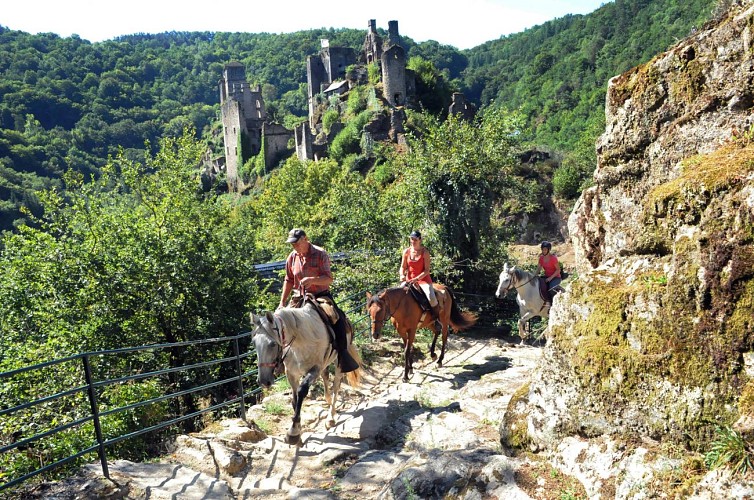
point(378, 313)
point(507, 281)
point(269, 345)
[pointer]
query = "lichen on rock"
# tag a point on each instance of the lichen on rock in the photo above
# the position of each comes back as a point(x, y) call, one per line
point(650, 341)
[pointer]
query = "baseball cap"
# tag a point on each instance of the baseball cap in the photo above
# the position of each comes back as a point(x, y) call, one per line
point(294, 235)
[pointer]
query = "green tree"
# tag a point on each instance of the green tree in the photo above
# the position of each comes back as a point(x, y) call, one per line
point(456, 178)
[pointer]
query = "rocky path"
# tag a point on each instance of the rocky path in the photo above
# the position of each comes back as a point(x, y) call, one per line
point(435, 436)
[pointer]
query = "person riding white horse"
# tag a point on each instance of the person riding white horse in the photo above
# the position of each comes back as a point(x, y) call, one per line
point(550, 267)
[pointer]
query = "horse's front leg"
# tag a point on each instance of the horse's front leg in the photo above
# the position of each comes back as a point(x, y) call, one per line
point(444, 330)
point(525, 317)
point(407, 354)
point(294, 433)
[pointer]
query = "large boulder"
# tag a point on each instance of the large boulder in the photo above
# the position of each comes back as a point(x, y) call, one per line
point(651, 340)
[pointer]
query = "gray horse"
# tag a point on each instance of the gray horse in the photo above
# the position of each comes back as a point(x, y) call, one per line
point(530, 303)
point(297, 338)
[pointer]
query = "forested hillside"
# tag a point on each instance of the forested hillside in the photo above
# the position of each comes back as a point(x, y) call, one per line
point(69, 104)
point(557, 73)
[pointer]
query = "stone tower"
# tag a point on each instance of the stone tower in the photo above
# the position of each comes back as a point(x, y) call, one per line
point(243, 115)
point(372, 44)
point(394, 68)
point(245, 128)
point(325, 68)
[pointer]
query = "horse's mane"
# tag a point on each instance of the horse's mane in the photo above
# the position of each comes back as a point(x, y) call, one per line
point(523, 275)
point(379, 295)
point(303, 322)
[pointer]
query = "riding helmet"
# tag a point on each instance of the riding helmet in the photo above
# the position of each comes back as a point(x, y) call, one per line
point(546, 244)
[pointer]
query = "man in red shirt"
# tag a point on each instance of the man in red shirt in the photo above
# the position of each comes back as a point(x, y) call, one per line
point(307, 270)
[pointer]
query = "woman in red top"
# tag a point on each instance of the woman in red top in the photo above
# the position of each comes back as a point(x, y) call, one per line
point(549, 265)
point(415, 266)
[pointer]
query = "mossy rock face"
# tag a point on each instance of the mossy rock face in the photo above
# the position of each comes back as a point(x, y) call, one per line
point(513, 428)
point(655, 344)
point(634, 363)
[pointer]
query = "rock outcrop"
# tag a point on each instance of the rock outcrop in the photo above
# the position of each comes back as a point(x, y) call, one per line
point(652, 340)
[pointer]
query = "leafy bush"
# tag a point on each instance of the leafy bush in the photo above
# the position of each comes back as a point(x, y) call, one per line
point(331, 116)
point(348, 141)
point(566, 182)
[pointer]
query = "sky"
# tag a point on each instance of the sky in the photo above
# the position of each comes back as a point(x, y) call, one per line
point(462, 24)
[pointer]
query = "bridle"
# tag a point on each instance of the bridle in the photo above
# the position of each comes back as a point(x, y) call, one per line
point(512, 283)
point(279, 338)
point(389, 314)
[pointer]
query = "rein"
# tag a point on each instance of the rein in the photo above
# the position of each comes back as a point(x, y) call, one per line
point(512, 283)
point(387, 308)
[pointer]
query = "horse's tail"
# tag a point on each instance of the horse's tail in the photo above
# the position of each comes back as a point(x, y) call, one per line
point(460, 320)
point(354, 378)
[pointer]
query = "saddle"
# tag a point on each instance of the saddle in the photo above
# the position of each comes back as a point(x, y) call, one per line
point(419, 296)
point(327, 311)
point(545, 292)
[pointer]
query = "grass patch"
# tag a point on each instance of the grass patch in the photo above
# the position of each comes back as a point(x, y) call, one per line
point(731, 450)
point(273, 407)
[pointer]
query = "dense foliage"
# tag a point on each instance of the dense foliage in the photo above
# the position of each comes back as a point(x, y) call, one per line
point(557, 73)
point(69, 104)
point(115, 245)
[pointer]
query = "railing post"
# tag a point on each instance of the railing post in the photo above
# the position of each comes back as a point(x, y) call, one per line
point(95, 413)
point(240, 378)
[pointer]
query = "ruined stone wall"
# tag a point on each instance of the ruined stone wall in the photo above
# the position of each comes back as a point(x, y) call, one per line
point(336, 60)
point(234, 127)
point(304, 139)
point(276, 138)
point(372, 49)
point(315, 77)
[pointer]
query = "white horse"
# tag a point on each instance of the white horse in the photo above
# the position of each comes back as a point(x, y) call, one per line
point(530, 303)
point(298, 338)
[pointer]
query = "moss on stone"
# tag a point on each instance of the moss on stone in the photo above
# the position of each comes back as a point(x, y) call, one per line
point(513, 429)
point(704, 174)
point(746, 401)
point(688, 84)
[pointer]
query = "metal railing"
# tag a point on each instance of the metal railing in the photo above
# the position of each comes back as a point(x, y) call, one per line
point(92, 389)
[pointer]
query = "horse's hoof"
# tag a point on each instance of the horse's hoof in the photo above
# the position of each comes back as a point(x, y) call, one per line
point(293, 440)
point(439, 363)
point(434, 356)
point(330, 424)
point(405, 380)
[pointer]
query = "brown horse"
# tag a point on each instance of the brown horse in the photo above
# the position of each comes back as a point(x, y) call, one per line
point(405, 314)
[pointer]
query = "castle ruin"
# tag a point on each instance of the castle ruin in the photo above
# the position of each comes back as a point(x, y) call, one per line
point(247, 132)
